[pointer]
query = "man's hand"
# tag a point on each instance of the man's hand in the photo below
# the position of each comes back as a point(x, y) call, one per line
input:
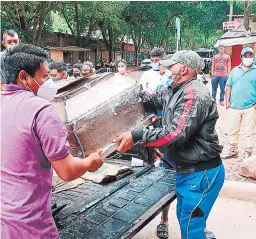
point(153, 118)
point(94, 161)
point(227, 105)
point(126, 142)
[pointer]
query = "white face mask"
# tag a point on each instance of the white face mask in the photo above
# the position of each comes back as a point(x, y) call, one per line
point(247, 61)
point(9, 47)
point(47, 90)
point(155, 66)
point(168, 73)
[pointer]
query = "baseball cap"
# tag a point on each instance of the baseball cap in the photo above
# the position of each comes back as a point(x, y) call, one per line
point(247, 50)
point(185, 57)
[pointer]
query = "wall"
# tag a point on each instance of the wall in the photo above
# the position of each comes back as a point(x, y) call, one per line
point(56, 55)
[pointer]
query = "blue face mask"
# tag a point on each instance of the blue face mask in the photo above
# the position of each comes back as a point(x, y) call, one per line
point(56, 79)
point(155, 66)
point(168, 75)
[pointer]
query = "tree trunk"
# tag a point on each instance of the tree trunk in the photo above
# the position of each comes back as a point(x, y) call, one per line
point(41, 23)
point(78, 33)
point(247, 14)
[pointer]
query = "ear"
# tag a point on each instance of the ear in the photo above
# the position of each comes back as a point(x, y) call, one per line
point(184, 70)
point(22, 77)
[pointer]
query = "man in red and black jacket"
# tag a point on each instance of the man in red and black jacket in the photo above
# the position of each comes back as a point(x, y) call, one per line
point(189, 138)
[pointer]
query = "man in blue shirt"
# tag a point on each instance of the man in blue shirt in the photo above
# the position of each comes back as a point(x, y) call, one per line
point(241, 102)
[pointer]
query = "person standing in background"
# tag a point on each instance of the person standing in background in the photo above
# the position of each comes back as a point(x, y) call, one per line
point(10, 40)
point(241, 103)
point(221, 66)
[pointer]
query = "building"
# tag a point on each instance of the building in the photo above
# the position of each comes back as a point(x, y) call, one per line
point(235, 40)
point(63, 47)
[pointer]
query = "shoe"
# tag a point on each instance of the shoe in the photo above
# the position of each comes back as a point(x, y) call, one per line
point(230, 154)
point(222, 102)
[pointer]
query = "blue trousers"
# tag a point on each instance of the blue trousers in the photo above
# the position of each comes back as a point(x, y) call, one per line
point(196, 194)
point(216, 80)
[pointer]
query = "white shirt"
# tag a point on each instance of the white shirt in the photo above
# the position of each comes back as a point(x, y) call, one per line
point(150, 80)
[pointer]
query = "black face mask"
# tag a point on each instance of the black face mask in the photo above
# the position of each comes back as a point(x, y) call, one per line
point(77, 75)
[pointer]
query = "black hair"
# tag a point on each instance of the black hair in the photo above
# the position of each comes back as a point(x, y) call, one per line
point(25, 57)
point(59, 66)
point(155, 52)
point(87, 63)
point(9, 32)
point(78, 66)
point(123, 61)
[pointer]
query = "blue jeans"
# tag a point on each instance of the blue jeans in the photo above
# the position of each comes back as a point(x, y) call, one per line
point(222, 82)
point(196, 193)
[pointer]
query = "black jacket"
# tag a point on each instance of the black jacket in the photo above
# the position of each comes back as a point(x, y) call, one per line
point(188, 134)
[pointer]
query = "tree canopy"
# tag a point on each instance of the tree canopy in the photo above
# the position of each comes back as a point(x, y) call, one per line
point(147, 23)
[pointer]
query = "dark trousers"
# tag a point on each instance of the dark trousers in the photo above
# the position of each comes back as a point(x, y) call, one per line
point(216, 80)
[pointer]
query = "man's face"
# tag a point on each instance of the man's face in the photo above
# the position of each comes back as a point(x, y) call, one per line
point(155, 59)
point(41, 75)
point(76, 71)
point(248, 55)
point(177, 70)
point(86, 69)
point(9, 40)
point(55, 74)
point(221, 49)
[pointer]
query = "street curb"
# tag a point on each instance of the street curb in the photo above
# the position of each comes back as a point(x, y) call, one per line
point(239, 190)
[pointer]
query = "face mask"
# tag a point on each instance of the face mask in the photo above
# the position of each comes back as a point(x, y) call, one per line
point(76, 75)
point(56, 79)
point(9, 47)
point(247, 61)
point(47, 90)
point(168, 73)
point(121, 70)
point(155, 66)
point(221, 51)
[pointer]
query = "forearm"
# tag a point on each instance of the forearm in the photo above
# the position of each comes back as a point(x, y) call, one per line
point(228, 93)
point(71, 167)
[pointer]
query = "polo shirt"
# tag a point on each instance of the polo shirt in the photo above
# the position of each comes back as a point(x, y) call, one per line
point(243, 83)
point(32, 135)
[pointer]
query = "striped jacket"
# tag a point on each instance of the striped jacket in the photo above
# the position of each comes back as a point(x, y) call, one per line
point(188, 134)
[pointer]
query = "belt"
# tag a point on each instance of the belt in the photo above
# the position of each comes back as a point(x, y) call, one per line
point(201, 166)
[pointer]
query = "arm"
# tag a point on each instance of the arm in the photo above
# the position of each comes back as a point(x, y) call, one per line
point(213, 65)
point(227, 96)
point(228, 89)
point(51, 134)
point(188, 117)
point(155, 99)
point(70, 168)
point(228, 66)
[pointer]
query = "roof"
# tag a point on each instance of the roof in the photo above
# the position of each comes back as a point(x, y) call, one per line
point(236, 41)
point(239, 36)
point(66, 48)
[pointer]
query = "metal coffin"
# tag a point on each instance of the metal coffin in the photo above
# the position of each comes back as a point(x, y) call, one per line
point(96, 112)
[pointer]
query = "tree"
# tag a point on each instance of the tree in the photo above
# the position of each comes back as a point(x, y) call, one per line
point(111, 24)
point(28, 17)
point(80, 18)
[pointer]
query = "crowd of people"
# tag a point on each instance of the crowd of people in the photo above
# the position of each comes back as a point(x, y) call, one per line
point(34, 140)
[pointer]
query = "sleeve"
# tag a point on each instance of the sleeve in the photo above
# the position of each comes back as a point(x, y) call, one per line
point(52, 134)
point(156, 99)
point(189, 114)
point(230, 78)
point(143, 82)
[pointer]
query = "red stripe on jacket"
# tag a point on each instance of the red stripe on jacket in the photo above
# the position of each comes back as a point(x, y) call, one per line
point(181, 122)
